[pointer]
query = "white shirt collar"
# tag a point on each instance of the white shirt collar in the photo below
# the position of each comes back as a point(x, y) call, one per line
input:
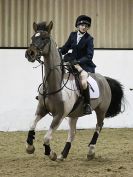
point(80, 34)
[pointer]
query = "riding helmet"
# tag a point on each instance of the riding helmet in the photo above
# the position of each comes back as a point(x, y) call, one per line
point(83, 19)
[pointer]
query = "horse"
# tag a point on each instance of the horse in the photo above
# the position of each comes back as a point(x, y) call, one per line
point(59, 93)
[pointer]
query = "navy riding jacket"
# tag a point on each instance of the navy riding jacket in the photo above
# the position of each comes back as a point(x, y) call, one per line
point(83, 51)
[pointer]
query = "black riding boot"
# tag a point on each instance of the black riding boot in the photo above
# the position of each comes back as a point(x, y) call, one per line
point(87, 108)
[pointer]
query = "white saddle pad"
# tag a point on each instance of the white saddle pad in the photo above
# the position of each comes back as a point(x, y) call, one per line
point(94, 89)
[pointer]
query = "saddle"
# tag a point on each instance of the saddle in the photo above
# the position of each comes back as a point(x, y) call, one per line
point(93, 85)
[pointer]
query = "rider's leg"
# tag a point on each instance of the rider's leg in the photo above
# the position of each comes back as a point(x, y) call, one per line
point(86, 92)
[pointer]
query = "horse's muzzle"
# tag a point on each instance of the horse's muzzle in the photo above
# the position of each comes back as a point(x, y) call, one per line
point(30, 55)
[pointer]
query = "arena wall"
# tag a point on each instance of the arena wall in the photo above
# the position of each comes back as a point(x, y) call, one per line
point(19, 82)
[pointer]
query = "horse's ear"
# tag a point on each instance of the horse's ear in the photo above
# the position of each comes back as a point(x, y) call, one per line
point(35, 26)
point(50, 26)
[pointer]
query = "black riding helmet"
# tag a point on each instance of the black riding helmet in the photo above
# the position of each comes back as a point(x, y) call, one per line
point(83, 19)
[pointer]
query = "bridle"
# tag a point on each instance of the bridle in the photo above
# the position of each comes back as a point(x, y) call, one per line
point(40, 49)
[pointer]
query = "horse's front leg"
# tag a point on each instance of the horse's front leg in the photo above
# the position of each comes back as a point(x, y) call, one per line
point(70, 138)
point(47, 149)
point(40, 113)
point(31, 136)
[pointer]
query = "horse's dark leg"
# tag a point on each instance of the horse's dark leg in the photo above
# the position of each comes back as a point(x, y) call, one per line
point(48, 136)
point(71, 135)
point(31, 136)
point(40, 113)
point(92, 144)
point(30, 147)
point(47, 149)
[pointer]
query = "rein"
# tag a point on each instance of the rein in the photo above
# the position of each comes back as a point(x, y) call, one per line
point(44, 80)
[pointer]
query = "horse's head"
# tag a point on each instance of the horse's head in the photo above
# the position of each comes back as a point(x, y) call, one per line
point(40, 44)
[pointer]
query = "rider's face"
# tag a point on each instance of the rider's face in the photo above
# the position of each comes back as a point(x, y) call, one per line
point(83, 28)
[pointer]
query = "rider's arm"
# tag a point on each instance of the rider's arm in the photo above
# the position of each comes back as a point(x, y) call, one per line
point(66, 46)
point(90, 52)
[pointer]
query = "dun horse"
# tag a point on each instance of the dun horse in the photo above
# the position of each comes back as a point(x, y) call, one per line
point(59, 96)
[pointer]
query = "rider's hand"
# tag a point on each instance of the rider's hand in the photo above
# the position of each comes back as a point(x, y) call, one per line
point(67, 58)
point(74, 62)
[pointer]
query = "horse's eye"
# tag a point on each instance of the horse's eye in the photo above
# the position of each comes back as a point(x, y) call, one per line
point(47, 40)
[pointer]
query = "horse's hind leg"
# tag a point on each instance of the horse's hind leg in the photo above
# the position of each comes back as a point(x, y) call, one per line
point(40, 113)
point(92, 144)
point(70, 138)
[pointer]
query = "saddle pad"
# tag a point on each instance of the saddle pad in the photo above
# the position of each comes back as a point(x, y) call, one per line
point(94, 89)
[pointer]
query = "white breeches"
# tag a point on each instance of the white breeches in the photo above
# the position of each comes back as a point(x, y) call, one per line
point(83, 76)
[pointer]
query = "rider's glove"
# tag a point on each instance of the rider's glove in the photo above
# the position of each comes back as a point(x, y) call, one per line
point(67, 57)
point(74, 62)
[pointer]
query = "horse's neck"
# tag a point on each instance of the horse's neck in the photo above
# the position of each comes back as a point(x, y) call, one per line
point(52, 69)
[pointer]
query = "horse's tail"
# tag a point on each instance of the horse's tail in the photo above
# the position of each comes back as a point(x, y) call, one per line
point(117, 98)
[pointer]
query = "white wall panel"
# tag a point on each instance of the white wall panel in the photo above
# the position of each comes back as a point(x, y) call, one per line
point(17, 100)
